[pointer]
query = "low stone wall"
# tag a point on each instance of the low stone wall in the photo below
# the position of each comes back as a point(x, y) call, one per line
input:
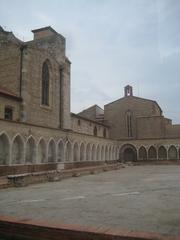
point(20, 180)
point(11, 228)
point(87, 164)
point(20, 169)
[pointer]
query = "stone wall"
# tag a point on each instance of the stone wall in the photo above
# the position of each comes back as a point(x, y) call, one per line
point(150, 127)
point(32, 88)
point(10, 55)
point(21, 74)
point(82, 125)
point(115, 114)
point(15, 105)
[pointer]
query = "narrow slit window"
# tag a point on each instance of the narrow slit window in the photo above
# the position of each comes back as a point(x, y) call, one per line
point(45, 84)
point(129, 123)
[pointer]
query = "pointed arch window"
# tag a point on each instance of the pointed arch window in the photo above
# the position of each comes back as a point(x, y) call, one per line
point(129, 123)
point(45, 84)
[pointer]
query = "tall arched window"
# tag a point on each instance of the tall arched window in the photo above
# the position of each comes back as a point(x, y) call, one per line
point(129, 123)
point(45, 83)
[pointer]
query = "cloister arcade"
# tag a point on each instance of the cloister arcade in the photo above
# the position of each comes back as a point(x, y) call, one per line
point(19, 150)
point(29, 151)
point(160, 152)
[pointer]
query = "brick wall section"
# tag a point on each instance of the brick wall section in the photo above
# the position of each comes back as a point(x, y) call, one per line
point(19, 169)
point(31, 230)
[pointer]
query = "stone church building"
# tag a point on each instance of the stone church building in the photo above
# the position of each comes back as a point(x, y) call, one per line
point(37, 127)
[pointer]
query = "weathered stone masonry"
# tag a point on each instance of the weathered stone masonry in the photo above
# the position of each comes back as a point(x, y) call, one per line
point(37, 127)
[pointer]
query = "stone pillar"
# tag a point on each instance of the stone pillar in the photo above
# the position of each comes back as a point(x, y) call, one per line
point(65, 118)
point(24, 84)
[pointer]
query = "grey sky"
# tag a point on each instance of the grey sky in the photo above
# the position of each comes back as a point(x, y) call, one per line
point(111, 43)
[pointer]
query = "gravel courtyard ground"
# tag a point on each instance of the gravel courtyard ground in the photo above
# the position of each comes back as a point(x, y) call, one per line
point(139, 198)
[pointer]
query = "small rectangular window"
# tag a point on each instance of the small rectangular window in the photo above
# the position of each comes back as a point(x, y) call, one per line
point(8, 113)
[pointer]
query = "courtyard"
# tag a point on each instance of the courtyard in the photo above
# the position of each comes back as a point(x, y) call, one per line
point(137, 198)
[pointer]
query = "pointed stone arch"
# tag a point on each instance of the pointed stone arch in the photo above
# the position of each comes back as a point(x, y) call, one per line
point(113, 153)
point(162, 153)
point(152, 153)
point(60, 151)
point(128, 152)
point(30, 150)
point(172, 153)
point(110, 152)
point(142, 153)
point(46, 83)
point(93, 153)
point(4, 149)
point(42, 158)
point(82, 152)
point(51, 151)
point(76, 152)
point(106, 153)
point(102, 153)
point(68, 151)
point(18, 150)
point(98, 153)
point(88, 152)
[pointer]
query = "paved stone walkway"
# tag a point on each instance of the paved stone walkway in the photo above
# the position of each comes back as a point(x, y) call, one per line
point(139, 198)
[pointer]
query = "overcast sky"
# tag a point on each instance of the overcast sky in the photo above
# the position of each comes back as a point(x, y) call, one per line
point(111, 43)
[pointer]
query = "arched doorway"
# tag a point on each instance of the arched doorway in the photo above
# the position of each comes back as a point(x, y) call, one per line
point(30, 151)
point(128, 153)
point(162, 153)
point(88, 152)
point(42, 151)
point(98, 153)
point(18, 150)
point(142, 153)
point(172, 153)
point(93, 153)
point(68, 152)
point(52, 151)
point(82, 152)
point(76, 152)
point(60, 151)
point(152, 153)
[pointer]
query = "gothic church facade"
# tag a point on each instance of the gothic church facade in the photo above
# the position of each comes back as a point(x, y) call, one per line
point(37, 127)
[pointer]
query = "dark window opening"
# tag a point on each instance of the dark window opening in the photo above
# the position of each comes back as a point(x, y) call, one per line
point(61, 97)
point(8, 113)
point(79, 122)
point(104, 133)
point(45, 84)
point(95, 131)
